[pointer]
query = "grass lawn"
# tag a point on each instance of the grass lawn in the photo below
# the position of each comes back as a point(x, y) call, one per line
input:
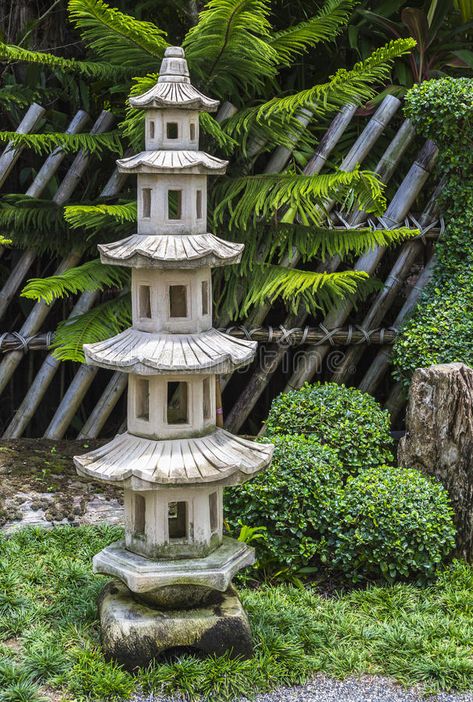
point(50, 646)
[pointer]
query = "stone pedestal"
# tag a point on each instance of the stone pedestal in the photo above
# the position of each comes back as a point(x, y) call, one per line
point(134, 634)
point(439, 438)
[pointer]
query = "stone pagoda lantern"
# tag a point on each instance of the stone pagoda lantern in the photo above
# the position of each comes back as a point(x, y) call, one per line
point(173, 572)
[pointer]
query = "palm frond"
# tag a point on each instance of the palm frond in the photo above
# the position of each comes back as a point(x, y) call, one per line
point(355, 86)
point(99, 216)
point(133, 126)
point(21, 214)
point(228, 48)
point(315, 291)
point(212, 128)
point(45, 143)
point(97, 324)
point(282, 130)
point(100, 70)
point(324, 26)
point(322, 242)
point(90, 276)
point(117, 37)
point(247, 200)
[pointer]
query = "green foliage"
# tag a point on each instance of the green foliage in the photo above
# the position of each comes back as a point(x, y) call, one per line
point(248, 199)
point(348, 421)
point(440, 330)
point(89, 276)
point(46, 143)
point(228, 48)
point(415, 635)
point(297, 288)
point(392, 523)
point(324, 26)
point(101, 322)
point(354, 86)
point(116, 37)
point(293, 499)
point(99, 216)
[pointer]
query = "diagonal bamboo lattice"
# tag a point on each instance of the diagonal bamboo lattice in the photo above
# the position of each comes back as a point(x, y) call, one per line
point(360, 336)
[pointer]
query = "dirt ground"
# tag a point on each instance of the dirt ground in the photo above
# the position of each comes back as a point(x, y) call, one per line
point(39, 486)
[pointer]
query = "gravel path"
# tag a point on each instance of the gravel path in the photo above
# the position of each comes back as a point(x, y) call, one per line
point(325, 689)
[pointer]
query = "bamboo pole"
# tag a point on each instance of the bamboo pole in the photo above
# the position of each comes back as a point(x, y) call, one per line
point(382, 360)
point(40, 310)
point(41, 180)
point(360, 149)
point(397, 210)
point(71, 402)
point(11, 152)
point(396, 401)
point(102, 410)
point(43, 379)
point(385, 298)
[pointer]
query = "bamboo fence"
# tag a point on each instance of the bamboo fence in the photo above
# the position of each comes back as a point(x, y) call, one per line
point(88, 396)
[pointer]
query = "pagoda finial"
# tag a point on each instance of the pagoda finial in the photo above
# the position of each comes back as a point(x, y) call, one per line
point(174, 66)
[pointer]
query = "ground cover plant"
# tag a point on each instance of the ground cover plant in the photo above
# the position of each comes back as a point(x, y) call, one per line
point(50, 640)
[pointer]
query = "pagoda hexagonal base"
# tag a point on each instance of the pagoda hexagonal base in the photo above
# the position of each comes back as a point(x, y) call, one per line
point(134, 633)
point(146, 577)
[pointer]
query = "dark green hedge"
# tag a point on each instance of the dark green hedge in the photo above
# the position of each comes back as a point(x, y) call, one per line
point(441, 328)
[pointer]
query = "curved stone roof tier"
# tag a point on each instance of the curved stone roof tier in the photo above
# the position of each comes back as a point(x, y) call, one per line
point(182, 95)
point(218, 457)
point(164, 161)
point(171, 251)
point(147, 353)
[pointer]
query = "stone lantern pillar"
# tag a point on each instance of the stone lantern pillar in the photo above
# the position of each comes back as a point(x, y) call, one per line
point(173, 571)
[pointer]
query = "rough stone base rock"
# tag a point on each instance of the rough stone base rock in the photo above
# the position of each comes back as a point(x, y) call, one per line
point(134, 634)
point(439, 438)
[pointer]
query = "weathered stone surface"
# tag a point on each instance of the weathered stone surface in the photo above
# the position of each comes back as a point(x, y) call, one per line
point(143, 575)
point(134, 634)
point(439, 438)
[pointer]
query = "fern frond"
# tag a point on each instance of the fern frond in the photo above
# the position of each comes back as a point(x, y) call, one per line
point(90, 276)
point(99, 70)
point(45, 143)
point(116, 37)
point(133, 126)
point(282, 130)
point(295, 40)
point(97, 324)
point(99, 216)
point(228, 48)
point(247, 200)
point(322, 242)
point(355, 86)
point(212, 128)
point(315, 291)
point(22, 214)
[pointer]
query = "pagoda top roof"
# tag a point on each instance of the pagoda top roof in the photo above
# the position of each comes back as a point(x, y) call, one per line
point(164, 161)
point(174, 88)
point(171, 251)
point(149, 353)
point(218, 457)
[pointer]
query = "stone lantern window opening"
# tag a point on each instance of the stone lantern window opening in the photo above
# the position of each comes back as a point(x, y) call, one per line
point(172, 130)
point(151, 129)
point(178, 295)
point(142, 399)
point(178, 521)
point(144, 301)
point(205, 297)
point(146, 202)
point(192, 131)
point(213, 510)
point(174, 204)
point(139, 516)
point(198, 204)
point(206, 402)
point(177, 402)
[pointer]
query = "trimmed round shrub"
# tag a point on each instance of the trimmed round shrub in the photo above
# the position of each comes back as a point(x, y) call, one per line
point(392, 523)
point(293, 499)
point(349, 421)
